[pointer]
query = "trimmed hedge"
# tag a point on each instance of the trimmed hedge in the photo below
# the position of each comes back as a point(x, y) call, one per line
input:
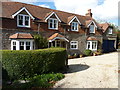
point(23, 64)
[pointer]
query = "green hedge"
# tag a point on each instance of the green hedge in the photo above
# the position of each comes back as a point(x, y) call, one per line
point(23, 64)
point(87, 52)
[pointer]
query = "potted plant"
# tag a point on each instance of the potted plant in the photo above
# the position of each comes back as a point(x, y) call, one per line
point(81, 55)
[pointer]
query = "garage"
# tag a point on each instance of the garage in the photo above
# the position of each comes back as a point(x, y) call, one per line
point(108, 46)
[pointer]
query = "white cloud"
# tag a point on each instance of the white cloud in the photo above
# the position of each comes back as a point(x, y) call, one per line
point(108, 9)
point(43, 5)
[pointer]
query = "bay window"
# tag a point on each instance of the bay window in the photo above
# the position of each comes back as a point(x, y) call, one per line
point(22, 45)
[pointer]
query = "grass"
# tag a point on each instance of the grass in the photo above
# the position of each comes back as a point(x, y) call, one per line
point(38, 81)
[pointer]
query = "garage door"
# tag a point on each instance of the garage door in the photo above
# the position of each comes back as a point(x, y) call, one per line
point(108, 45)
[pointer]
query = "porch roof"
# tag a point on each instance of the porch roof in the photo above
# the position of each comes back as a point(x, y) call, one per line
point(21, 36)
point(57, 36)
point(92, 38)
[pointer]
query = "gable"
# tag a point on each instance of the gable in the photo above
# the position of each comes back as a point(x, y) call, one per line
point(92, 23)
point(74, 19)
point(52, 15)
point(24, 11)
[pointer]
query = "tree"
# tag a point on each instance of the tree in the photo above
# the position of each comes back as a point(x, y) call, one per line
point(40, 41)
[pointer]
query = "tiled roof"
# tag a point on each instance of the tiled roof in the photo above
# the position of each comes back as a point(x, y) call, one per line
point(10, 8)
point(104, 26)
point(55, 35)
point(91, 38)
point(21, 36)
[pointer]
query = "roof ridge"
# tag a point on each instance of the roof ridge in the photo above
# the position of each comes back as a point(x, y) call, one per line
point(48, 8)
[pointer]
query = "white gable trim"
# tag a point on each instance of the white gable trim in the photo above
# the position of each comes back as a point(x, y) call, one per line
point(21, 11)
point(91, 23)
point(62, 38)
point(51, 15)
point(73, 19)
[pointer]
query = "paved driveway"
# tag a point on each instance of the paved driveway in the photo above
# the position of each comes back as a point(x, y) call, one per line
point(91, 72)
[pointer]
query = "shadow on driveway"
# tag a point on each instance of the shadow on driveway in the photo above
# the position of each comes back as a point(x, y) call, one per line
point(77, 67)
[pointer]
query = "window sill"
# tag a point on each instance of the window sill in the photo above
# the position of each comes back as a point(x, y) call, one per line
point(53, 28)
point(23, 26)
point(74, 48)
point(74, 30)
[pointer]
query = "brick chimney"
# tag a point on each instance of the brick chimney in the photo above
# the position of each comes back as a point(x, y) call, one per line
point(89, 13)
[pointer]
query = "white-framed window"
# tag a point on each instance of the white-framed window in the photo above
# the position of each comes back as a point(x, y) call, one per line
point(14, 45)
point(74, 45)
point(92, 29)
point(53, 23)
point(22, 45)
point(92, 45)
point(23, 20)
point(74, 26)
point(110, 31)
point(27, 45)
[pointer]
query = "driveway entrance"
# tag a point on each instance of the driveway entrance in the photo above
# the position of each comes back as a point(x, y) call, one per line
point(91, 72)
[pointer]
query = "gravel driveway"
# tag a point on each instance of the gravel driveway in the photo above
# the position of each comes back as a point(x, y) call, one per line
point(91, 72)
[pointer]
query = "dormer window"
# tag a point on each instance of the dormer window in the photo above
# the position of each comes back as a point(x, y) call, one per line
point(23, 20)
point(74, 26)
point(92, 29)
point(53, 23)
point(110, 31)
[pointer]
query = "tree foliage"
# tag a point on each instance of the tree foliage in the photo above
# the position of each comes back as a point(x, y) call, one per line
point(40, 41)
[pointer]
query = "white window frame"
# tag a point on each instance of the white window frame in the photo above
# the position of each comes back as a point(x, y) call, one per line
point(73, 24)
point(53, 19)
point(91, 43)
point(73, 43)
point(18, 44)
point(110, 31)
point(90, 28)
point(23, 21)
point(13, 45)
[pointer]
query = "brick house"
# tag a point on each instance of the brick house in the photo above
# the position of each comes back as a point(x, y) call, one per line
point(74, 32)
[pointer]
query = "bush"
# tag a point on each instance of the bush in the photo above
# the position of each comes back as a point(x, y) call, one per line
point(40, 41)
point(46, 80)
point(87, 52)
point(39, 81)
point(22, 64)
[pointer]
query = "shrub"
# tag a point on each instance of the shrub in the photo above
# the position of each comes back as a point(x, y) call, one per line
point(22, 64)
point(87, 52)
point(38, 81)
point(40, 41)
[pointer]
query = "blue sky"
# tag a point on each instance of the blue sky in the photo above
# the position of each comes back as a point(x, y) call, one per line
point(103, 10)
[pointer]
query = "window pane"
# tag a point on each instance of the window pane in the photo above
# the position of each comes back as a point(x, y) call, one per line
point(88, 47)
point(74, 26)
point(27, 45)
point(53, 23)
point(26, 20)
point(21, 45)
point(74, 45)
point(91, 28)
point(110, 30)
point(93, 45)
point(20, 20)
point(14, 45)
point(58, 43)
